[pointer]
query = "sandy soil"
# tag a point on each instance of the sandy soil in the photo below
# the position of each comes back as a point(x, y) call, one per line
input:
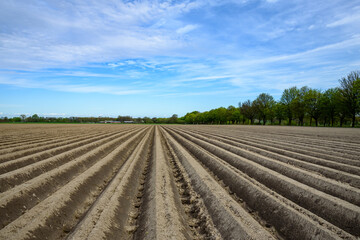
point(178, 182)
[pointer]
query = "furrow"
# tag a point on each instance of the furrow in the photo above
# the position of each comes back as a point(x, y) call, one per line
point(318, 161)
point(339, 212)
point(326, 185)
point(312, 149)
point(230, 219)
point(334, 135)
point(326, 151)
point(323, 142)
point(351, 179)
point(72, 200)
point(108, 216)
point(312, 140)
point(8, 166)
point(33, 137)
point(30, 170)
point(44, 151)
point(19, 199)
point(16, 143)
point(48, 141)
point(198, 218)
point(289, 219)
point(163, 218)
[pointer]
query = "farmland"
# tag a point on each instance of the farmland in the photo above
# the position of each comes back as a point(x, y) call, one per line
point(109, 181)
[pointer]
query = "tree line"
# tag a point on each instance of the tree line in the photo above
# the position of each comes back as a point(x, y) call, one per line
point(337, 106)
point(35, 118)
point(297, 106)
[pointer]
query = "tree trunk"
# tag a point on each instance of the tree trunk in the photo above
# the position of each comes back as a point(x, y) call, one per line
point(341, 121)
point(264, 121)
point(289, 121)
point(280, 121)
point(301, 121)
point(353, 120)
point(316, 121)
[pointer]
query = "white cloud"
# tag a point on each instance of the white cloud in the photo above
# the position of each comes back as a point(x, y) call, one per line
point(201, 79)
point(52, 114)
point(150, 43)
point(130, 62)
point(116, 64)
point(83, 88)
point(309, 56)
point(345, 20)
point(69, 87)
point(200, 93)
point(88, 74)
point(70, 34)
point(186, 29)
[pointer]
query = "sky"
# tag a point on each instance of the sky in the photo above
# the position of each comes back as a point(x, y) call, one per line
point(157, 58)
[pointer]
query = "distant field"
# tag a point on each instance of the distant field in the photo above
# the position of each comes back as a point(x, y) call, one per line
point(178, 182)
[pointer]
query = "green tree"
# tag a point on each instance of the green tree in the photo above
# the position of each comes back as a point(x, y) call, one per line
point(248, 110)
point(328, 105)
point(341, 109)
point(211, 116)
point(4, 119)
point(219, 115)
point(205, 117)
point(264, 104)
point(280, 111)
point(147, 120)
point(17, 119)
point(199, 118)
point(35, 118)
point(350, 94)
point(173, 119)
point(230, 117)
point(313, 104)
point(298, 105)
point(155, 120)
point(242, 116)
point(191, 117)
point(236, 116)
point(124, 118)
point(271, 113)
point(287, 99)
point(23, 117)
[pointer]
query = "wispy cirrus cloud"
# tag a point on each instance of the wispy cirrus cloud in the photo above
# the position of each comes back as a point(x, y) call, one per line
point(345, 20)
point(187, 28)
point(204, 50)
point(67, 33)
point(350, 17)
point(70, 87)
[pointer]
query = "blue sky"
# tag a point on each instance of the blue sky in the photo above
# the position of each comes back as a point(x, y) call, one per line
point(157, 58)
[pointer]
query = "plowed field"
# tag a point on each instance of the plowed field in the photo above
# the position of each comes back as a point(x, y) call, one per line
point(178, 182)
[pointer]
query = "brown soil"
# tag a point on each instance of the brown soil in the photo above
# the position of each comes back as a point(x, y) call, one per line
point(178, 182)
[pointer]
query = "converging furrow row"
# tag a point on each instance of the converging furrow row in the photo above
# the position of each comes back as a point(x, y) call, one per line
point(116, 181)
